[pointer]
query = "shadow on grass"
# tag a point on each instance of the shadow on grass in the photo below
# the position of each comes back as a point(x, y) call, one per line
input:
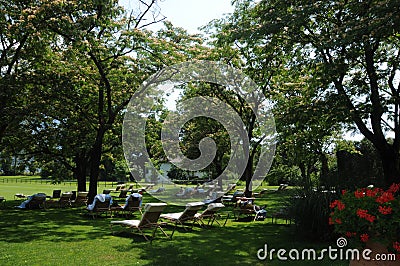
point(236, 244)
point(68, 224)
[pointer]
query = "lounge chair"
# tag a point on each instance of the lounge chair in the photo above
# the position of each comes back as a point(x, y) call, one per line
point(132, 203)
point(2, 201)
point(118, 188)
point(186, 193)
point(122, 194)
point(150, 217)
point(210, 213)
point(244, 206)
point(101, 204)
point(232, 199)
point(20, 196)
point(81, 199)
point(181, 217)
point(265, 191)
point(63, 201)
point(36, 201)
point(56, 194)
point(157, 191)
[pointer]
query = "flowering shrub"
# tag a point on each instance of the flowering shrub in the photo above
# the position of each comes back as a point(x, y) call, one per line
point(368, 213)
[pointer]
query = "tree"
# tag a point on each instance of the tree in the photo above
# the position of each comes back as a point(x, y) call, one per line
point(105, 39)
point(352, 46)
point(21, 40)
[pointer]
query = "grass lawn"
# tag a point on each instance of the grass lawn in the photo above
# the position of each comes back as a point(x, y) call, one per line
point(69, 237)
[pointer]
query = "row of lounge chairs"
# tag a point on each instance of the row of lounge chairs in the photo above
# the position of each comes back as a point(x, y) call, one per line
point(103, 204)
point(62, 200)
point(153, 213)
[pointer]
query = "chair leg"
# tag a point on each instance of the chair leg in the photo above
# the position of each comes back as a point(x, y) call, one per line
point(145, 237)
point(173, 231)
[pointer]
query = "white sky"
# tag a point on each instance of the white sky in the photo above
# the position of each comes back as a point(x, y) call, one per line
point(189, 14)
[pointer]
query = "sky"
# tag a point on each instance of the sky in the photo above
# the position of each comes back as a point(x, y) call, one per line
point(189, 14)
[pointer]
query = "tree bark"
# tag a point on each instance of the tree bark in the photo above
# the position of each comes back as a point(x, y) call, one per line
point(80, 170)
point(95, 159)
point(248, 173)
point(391, 165)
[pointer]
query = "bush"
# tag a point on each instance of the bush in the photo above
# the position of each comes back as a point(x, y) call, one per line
point(310, 210)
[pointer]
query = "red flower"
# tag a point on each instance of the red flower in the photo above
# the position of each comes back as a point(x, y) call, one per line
point(364, 237)
point(331, 221)
point(338, 221)
point(337, 203)
point(394, 188)
point(370, 218)
point(344, 191)
point(373, 192)
point(396, 246)
point(350, 234)
point(385, 197)
point(385, 210)
point(364, 214)
point(359, 194)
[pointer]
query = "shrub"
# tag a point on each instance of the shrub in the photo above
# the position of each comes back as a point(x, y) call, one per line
point(310, 210)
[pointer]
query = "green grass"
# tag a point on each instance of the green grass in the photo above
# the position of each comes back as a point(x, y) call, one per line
point(69, 237)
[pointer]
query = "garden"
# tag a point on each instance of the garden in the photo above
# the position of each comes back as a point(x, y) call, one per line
point(59, 236)
point(279, 121)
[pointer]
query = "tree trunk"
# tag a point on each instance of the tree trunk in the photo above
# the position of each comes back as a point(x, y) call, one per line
point(95, 158)
point(391, 165)
point(323, 178)
point(305, 174)
point(248, 173)
point(80, 170)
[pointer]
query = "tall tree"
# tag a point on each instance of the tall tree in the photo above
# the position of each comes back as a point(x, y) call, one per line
point(353, 46)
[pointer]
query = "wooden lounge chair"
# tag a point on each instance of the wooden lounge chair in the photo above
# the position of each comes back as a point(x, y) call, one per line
point(36, 201)
point(122, 194)
point(107, 191)
point(132, 203)
point(101, 204)
point(210, 213)
point(63, 201)
point(149, 220)
point(181, 217)
point(2, 201)
point(244, 206)
point(81, 199)
point(232, 199)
